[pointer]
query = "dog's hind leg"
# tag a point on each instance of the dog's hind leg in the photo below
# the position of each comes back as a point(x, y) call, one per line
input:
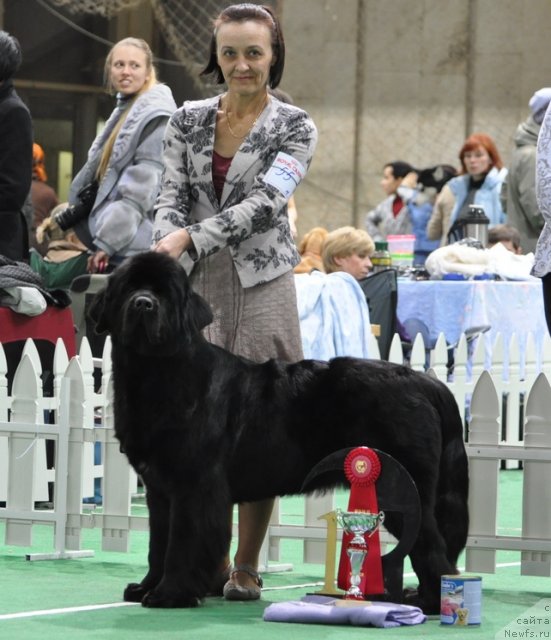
point(452, 511)
point(429, 561)
point(452, 491)
point(159, 515)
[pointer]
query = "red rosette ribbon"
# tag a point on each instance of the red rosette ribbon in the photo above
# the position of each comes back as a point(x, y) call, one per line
point(362, 468)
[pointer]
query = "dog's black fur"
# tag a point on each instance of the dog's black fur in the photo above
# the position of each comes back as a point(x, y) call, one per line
point(206, 428)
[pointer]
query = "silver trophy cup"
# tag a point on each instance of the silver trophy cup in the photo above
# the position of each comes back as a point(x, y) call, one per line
point(359, 524)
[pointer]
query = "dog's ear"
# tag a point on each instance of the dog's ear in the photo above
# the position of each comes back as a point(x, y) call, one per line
point(198, 311)
point(97, 312)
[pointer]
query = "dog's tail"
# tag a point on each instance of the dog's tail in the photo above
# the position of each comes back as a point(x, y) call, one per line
point(452, 511)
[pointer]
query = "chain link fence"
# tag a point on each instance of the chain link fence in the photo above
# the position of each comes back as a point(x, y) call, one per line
point(106, 8)
point(395, 123)
point(186, 26)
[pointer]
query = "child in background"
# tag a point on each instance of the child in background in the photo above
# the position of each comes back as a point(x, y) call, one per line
point(392, 215)
point(508, 235)
point(65, 256)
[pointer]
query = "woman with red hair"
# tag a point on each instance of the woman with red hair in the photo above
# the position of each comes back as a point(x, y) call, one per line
point(43, 197)
point(480, 182)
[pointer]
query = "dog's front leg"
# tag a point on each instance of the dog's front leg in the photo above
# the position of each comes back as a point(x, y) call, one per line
point(159, 516)
point(198, 540)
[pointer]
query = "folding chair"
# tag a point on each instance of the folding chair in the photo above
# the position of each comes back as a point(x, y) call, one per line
point(381, 293)
point(82, 291)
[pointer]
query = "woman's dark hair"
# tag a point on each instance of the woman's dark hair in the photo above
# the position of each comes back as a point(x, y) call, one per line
point(10, 56)
point(242, 13)
point(399, 168)
point(504, 233)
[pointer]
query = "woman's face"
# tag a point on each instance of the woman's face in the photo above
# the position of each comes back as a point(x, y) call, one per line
point(356, 265)
point(244, 53)
point(477, 162)
point(128, 70)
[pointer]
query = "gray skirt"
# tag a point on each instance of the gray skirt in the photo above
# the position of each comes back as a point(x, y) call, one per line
point(259, 322)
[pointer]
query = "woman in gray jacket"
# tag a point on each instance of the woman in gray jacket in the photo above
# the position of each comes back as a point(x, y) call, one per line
point(122, 174)
point(231, 164)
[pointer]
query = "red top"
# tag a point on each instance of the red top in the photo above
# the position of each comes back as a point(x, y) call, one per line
point(397, 206)
point(220, 166)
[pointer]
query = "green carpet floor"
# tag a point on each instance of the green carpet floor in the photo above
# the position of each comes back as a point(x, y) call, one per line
point(44, 592)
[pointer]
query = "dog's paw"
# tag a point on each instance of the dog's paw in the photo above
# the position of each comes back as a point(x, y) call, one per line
point(157, 598)
point(410, 595)
point(429, 606)
point(134, 592)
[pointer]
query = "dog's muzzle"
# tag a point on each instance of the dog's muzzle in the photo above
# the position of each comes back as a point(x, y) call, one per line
point(144, 302)
point(143, 320)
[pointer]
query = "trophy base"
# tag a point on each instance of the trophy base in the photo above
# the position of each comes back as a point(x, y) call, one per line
point(336, 601)
point(348, 602)
point(341, 597)
point(328, 593)
point(353, 596)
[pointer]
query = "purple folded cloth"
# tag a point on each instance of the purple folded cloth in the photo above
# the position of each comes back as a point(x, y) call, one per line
point(323, 610)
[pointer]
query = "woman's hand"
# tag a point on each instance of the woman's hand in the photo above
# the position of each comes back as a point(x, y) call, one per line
point(174, 244)
point(410, 180)
point(98, 262)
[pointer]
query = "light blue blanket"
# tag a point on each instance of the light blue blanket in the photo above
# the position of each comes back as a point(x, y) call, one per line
point(334, 316)
point(323, 610)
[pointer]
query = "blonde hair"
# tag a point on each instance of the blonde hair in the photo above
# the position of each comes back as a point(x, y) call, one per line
point(150, 82)
point(145, 49)
point(344, 242)
point(310, 250)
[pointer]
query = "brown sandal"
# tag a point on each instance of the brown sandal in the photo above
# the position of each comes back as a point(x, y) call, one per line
point(234, 591)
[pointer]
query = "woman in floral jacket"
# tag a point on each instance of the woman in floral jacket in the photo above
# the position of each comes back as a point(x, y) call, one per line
point(231, 164)
point(542, 258)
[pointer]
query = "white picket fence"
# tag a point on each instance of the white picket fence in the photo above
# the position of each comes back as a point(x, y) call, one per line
point(515, 393)
point(23, 474)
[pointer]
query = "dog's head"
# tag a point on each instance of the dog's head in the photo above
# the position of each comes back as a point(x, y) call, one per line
point(462, 616)
point(148, 305)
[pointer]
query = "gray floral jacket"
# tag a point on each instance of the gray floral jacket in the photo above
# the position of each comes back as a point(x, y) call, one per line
point(251, 218)
point(542, 260)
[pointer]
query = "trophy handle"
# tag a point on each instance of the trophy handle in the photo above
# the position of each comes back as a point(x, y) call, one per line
point(380, 520)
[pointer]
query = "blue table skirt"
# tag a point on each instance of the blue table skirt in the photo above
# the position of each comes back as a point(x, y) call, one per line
point(451, 307)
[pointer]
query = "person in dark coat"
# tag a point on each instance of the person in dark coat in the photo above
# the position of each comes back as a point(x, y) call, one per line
point(16, 154)
point(521, 204)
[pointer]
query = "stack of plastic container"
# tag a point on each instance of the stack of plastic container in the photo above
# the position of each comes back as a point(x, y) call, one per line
point(401, 250)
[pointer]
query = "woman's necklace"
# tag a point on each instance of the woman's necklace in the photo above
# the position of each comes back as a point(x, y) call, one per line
point(232, 132)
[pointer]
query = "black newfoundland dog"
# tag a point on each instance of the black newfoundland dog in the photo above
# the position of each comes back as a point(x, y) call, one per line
point(205, 429)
